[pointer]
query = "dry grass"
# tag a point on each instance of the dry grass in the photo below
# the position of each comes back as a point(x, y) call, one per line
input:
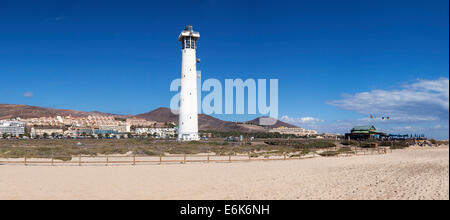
point(69, 148)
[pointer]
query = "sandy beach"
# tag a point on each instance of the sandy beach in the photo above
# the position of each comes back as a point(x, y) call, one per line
point(414, 173)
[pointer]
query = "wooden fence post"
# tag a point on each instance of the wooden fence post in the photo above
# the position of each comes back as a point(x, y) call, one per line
point(284, 155)
point(184, 159)
point(134, 159)
point(160, 158)
point(208, 157)
point(79, 160)
point(107, 160)
point(52, 160)
point(25, 160)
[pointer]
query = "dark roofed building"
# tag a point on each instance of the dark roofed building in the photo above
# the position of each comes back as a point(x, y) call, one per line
point(364, 133)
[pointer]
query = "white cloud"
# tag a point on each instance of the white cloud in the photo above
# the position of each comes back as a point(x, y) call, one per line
point(304, 122)
point(300, 121)
point(422, 101)
point(28, 94)
point(421, 107)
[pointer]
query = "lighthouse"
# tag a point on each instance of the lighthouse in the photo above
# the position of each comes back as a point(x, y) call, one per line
point(188, 115)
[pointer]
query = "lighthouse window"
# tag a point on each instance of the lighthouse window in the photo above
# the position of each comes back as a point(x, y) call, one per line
point(188, 42)
point(185, 43)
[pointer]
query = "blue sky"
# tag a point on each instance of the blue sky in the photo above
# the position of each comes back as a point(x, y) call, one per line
point(332, 58)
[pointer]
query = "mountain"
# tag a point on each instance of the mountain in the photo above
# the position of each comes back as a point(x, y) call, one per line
point(206, 122)
point(8, 111)
point(278, 123)
point(159, 115)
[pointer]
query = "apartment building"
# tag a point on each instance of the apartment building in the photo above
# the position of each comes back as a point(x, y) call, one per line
point(158, 132)
point(13, 128)
point(45, 131)
point(294, 131)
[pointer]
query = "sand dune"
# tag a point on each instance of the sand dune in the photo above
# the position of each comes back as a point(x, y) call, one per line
point(414, 173)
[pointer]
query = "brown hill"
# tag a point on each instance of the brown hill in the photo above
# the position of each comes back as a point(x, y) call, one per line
point(206, 122)
point(8, 111)
point(260, 121)
point(160, 115)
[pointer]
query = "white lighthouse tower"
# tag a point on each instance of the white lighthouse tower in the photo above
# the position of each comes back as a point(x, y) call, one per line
point(188, 116)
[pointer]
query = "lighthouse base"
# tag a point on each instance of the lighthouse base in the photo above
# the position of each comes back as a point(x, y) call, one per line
point(188, 137)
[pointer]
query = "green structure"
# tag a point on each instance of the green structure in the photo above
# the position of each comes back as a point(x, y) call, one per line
point(364, 133)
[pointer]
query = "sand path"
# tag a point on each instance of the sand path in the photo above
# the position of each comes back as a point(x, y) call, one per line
point(415, 173)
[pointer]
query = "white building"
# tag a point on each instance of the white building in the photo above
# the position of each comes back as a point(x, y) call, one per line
point(188, 116)
point(49, 131)
point(118, 128)
point(13, 128)
point(294, 131)
point(158, 132)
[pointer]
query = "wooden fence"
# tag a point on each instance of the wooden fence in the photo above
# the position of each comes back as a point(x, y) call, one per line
point(182, 159)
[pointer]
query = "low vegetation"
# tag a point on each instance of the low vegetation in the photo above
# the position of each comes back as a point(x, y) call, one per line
point(303, 144)
point(144, 147)
point(66, 149)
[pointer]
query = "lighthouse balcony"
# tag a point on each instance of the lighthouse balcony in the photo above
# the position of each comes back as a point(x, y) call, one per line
point(188, 34)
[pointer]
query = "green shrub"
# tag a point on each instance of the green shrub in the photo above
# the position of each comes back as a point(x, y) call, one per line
point(345, 150)
point(329, 153)
point(400, 144)
point(321, 144)
point(349, 142)
point(369, 145)
point(442, 142)
point(385, 143)
point(63, 158)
